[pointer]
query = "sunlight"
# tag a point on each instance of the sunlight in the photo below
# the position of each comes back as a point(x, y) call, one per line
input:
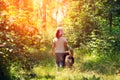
point(59, 14)
point(41, 14)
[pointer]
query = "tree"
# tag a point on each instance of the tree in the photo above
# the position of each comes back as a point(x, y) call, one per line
point(112, 8)
point(80, 18)
point(89, 22)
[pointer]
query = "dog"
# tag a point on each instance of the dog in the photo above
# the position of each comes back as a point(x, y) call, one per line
point(69, 59)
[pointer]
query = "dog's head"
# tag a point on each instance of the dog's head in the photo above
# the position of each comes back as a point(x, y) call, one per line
point(69, 60)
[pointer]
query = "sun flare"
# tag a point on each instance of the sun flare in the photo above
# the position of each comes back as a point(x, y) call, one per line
point(38, 14)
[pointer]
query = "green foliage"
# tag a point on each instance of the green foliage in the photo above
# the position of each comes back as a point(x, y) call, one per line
point(5, 64)
point(23, 42)
point(87, 23)
point(81, 22)
point(87, 27)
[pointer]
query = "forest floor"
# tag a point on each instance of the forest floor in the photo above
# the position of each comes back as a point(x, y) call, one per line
point(86, 67)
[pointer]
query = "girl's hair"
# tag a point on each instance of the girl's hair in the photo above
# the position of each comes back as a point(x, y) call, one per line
point(58, 34)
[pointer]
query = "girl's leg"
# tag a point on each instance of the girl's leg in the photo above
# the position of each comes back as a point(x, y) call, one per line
point(57, 58)
point(60, 59)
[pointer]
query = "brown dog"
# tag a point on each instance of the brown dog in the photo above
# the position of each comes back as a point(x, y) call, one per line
point(69, 59)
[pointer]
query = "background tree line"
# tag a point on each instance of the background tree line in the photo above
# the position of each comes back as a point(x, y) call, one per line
point(94, 24)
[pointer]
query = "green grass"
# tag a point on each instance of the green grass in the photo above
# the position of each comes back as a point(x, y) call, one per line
point(86, 67)
point(66, 74)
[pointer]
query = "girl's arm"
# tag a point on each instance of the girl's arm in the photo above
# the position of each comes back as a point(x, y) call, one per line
point(66, 46)
point(53, 49)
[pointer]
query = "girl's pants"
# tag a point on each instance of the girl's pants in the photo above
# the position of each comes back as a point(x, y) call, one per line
point(60, 59)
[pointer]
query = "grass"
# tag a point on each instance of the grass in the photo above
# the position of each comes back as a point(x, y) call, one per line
point(86, 67)
point(66, 74)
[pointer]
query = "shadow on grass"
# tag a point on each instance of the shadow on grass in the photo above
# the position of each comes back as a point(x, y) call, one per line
point(103, 64)
point(46, 77)
point(91, 78)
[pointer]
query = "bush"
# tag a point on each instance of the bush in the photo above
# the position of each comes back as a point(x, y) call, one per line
point(5, 65)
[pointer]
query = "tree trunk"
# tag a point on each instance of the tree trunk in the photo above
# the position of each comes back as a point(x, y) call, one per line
point(44, 15)
point(110, 20)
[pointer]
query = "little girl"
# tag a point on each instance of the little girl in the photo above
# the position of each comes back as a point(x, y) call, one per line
point(59, 47)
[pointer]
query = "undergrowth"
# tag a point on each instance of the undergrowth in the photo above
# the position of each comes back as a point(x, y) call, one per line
point(87, 66)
